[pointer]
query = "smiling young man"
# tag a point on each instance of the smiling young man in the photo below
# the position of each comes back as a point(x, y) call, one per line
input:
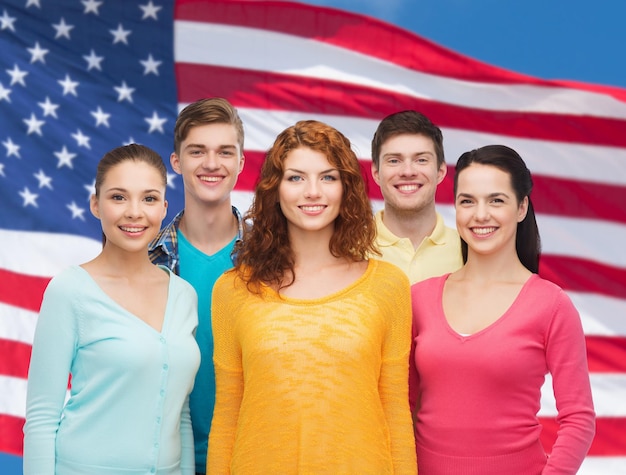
point(198, 244)
point(408, 164)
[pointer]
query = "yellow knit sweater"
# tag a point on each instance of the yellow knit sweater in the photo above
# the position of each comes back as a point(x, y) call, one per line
point(313, 386)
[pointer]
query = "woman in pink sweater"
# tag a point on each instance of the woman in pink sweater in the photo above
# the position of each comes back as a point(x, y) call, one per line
point(485, 337)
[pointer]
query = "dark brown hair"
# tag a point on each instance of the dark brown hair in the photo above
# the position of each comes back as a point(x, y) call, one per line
point(407, 122)
point(133, 152)
point(527, 240)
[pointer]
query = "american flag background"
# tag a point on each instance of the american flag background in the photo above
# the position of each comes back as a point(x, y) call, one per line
point(79, 77)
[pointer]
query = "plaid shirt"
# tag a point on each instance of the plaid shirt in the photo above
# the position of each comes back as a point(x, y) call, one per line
point(164, 248)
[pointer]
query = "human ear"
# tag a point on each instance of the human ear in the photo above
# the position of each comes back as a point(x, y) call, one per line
point(93, 206)
point(522, 210)
point(175, 162)
point(375, 173)
point(442, 172)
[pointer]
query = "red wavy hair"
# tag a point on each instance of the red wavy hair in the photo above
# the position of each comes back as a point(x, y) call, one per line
point(265, 254)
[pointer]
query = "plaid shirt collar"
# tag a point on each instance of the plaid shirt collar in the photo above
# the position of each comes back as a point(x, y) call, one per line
point(164, 248)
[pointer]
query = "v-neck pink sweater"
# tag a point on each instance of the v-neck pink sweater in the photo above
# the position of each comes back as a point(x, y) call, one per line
point(478, 396)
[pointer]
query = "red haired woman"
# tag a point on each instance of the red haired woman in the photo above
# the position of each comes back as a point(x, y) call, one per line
point(311, 338)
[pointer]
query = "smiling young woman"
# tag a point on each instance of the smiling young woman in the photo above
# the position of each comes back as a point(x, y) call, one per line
point(123, 329)
point(311, 337)
point(485, 336)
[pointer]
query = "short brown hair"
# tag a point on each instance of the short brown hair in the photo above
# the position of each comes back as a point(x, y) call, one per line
point(214, 110)
point(407, 122)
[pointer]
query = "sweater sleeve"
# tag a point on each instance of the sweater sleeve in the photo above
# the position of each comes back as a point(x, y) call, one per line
point(228, 374)
point(393, 383)
point(54, 349)
point(567, 362)
point(187, 455)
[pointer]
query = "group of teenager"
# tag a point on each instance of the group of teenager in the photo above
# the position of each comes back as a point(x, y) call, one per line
point(309, 335)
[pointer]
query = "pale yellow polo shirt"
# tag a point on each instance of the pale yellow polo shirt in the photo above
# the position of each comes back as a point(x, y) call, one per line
point(438, 253)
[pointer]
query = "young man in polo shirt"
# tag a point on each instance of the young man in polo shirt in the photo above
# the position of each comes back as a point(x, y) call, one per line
point(408, 164)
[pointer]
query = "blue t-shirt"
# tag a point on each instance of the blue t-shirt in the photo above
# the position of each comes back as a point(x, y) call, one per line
point(201, 271)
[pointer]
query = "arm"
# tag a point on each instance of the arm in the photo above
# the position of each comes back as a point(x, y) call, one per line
point(567, 362)
point(187, 456)
point(228, 375)
point(54, 348)
point(413, 374)
point(393, 383)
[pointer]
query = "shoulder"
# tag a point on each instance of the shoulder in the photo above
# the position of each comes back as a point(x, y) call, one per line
point(384, 269)
point(68, 280)
point(429, 285)
point(387, 281)
point(177, 282)
point(165, 235)
point(550, 294)
point(444, 232)
point(543, 288)
point(229, 282)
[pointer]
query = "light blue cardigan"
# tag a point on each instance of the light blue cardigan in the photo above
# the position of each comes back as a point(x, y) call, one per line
point(128, 407)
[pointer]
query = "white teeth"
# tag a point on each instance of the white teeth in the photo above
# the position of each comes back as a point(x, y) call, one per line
point(211, 178)
point(131, 230)
point(408, 187)
point(312, 208)
point(483, 231)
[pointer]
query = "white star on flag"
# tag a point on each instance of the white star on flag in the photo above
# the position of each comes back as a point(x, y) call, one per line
point(93, 61)
point(48, 108)
point(91, 6)
point(81, 139)
point(156, 122)
point(150, 65)
point(124, 92)
point(4, 93)
point(34, 125)
point(65, 158)
point(29, 198)
point(12, 149)
point(6, 22)
point(102, 118)
point(17, 75)
point(120, 35)
point(150, 10)
point(44, 180)
point(63, 29)
point(69, 86)
point(77, 212)
point(37, 53)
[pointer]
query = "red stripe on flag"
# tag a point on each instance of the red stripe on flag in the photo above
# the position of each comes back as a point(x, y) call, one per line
point(355, 32)
point(22, 290)
point(365, 35)
point(15, 359)
point(571, 273)
point(610, 438)
point(606, 354)
point(11, 434)
point(277, 91)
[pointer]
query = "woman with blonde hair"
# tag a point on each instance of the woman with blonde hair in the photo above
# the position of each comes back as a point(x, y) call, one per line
point(311, 338)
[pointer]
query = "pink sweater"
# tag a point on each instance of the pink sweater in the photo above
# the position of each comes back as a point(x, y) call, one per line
point(479, 395)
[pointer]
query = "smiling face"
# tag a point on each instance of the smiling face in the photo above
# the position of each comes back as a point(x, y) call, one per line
point(210, 161)
point(310, 192)
point(408, 174)
point(130, 205)
point(487, 210)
